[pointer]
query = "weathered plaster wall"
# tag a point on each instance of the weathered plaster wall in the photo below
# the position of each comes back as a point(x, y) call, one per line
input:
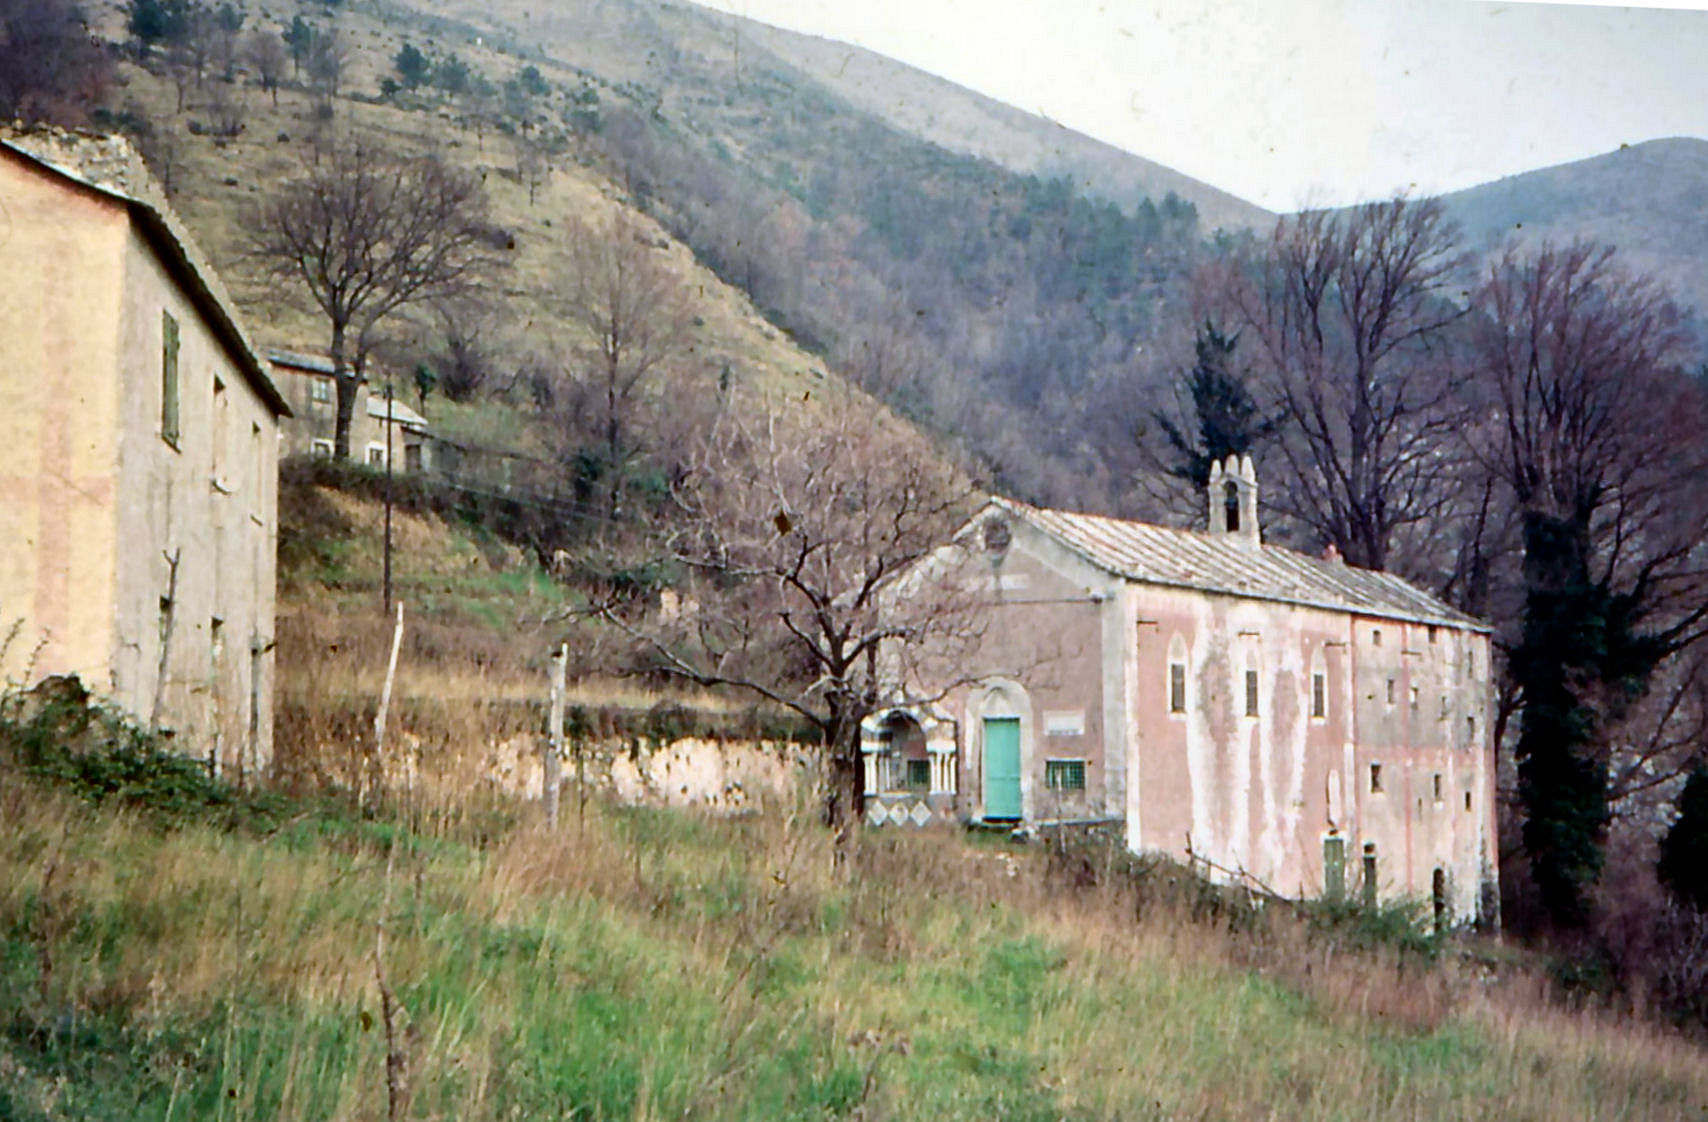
point(59, 397)
point(209, 503)
point(1430, 744)
point(1045, 659)
point(1252, 794)
point(93, 501)
point(1260, 794)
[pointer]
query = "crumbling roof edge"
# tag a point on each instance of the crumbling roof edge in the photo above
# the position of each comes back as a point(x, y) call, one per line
point(176, 250)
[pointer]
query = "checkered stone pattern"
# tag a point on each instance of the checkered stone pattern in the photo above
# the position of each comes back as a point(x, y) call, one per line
point(898, 814)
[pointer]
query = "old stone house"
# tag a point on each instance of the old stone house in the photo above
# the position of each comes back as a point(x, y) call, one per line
point(138, 477)
point(307, 384)
point(1285, 719)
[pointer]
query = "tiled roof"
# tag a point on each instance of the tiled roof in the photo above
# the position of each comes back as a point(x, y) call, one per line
point(110, 166)
point(1150, 554)
point(400, 412)
point(295, 360)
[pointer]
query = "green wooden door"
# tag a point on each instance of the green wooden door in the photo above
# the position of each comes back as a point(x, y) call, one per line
point(1334, 868)
point(1002, 767)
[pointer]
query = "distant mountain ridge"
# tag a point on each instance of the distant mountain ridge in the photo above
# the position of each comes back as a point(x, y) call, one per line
point(962, 120)
point(1648, 200)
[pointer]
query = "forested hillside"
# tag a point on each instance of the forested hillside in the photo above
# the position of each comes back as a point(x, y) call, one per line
point(1017, 315)
point(1647, 199)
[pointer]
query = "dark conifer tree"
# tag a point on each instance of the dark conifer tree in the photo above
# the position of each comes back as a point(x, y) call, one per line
point(1683, 866)
point(1228, 419)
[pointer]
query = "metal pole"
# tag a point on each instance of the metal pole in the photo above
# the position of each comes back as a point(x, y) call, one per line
point(388, 427)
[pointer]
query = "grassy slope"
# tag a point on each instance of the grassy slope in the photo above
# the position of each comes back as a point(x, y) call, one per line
point(648, 965)
point(217, 186)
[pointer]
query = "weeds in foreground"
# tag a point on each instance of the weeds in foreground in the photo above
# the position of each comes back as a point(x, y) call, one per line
point(647, 964)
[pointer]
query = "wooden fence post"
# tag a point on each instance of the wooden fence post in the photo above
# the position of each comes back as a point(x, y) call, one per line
point(554, 740)
point(377, 778)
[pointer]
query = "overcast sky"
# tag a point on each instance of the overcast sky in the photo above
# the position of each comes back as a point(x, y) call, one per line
point(1290, 103)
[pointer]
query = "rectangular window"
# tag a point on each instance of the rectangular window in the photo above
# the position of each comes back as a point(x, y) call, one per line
point(1432, 630)
point(1436, 783)
point(169, 430)
point(1369, 884)
point(1375, 636)
point(1251, 693)
point(1376, 779)
point(1064, 775)
point(1414, 697)
point(320, 390)
point(376, 455)
point(1319, 696)
point(1390, 691)
point(1177, 687)
point(919, 775)
point(1467, 802)
point(1470, 732)
point(322, 447)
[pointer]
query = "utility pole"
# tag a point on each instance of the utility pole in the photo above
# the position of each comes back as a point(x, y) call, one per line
point(388, 428)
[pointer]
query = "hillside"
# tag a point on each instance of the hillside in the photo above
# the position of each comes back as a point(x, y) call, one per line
point(1649, 200)
point(964, 121)
point(971, 297)
point(173, 949)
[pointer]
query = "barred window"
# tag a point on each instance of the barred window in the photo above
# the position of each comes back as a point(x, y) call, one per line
point(1064, 775)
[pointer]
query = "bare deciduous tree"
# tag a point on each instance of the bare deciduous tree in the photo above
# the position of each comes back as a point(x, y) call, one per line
point(1345, 314)
point(1594, 437)
point(796, 536)
point(50, 67)
point(465, 362)
point(620, 290)
point(268, 57)
point(367, 232)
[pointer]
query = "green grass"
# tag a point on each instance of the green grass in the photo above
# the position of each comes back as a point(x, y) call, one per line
point(643, 964)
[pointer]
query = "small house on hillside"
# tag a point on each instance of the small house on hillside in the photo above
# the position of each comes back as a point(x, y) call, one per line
point(139, 469)
point(1291, 720)
point(307, 382)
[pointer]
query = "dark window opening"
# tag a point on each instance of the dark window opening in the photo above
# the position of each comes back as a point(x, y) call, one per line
point(1467, 802)
point(919, 775)
point(1251, 693)
point(1390, 691)
point(1375, 779)
point(1319, 696)
point(1375, 636)
point(1436, 783)
point(1432, 631)
point(903, 764)
point(997, 535)
point(1369, 883)
point(1177, 687)
point(1438, 897)
point(1230, 498)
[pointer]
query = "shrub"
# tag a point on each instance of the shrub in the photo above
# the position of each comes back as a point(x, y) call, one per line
point(58, 733)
